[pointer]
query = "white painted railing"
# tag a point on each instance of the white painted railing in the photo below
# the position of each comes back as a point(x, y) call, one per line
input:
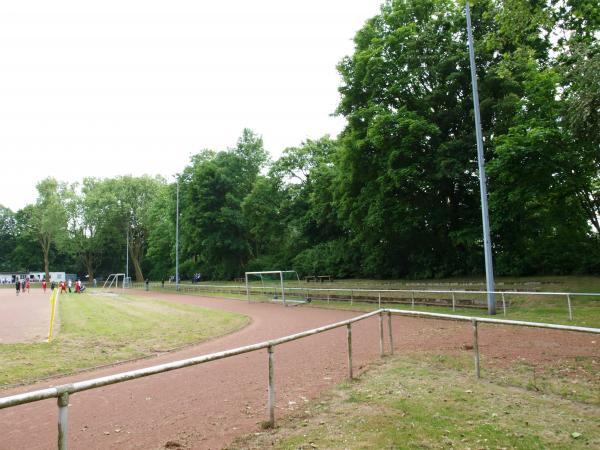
point(410, 293)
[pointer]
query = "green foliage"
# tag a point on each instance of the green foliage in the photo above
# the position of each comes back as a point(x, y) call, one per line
point(213, 228)
point(8, 237)
point(328, 258)
point(397, 193)
point(408, 182)
point(161, 238)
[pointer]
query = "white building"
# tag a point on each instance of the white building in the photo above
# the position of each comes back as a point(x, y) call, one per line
point(11, 277)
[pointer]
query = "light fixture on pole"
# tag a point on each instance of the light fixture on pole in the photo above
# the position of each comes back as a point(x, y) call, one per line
point(487, 243)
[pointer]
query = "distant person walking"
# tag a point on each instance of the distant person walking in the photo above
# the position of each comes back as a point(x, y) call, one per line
point(18, 286)
point(44, 284)
point(27, 285)
point(70, 285)
point(63, 287)
point(78, 287)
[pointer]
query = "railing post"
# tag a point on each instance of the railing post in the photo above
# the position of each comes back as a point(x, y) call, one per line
point(349, 333)
point(570, 310)
point(503, 304)
point(351, 297)
point(381, 352)
point(453, 302)
point(413, 298)
point(63, 419)
point(328, 297)
point(476, 347)
point(390, 331)
point(379, 302)
point(271, 387)
point(247, 289)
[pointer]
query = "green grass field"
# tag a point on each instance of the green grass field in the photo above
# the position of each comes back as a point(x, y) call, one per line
point(430, 401)
point(98, 329)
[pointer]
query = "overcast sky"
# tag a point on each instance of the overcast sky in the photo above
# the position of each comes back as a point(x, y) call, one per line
point(137, 86)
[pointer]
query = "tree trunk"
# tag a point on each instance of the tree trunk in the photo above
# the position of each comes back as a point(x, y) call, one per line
point(45, 243)
point(135, 251)
point(138, 269)
point(89, 267)
point(46, 269)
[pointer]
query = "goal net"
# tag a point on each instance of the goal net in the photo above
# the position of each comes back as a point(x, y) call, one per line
point(272, 284)
point(113, 280)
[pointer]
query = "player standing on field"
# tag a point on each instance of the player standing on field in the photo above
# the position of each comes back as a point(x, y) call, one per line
point(18, 286)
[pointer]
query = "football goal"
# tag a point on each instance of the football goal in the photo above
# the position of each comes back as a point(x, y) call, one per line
point(272, 282)
point(113, 279)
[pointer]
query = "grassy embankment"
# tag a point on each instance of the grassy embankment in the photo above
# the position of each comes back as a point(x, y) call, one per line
point(549, 309)
point(425, 400)
point(97, 329)
point(429, 401)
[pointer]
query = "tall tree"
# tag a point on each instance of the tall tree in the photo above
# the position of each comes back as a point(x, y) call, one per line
point(134, 197)
point(49, 216)
point(8, 236)
point(213, 229)
point(161, 237)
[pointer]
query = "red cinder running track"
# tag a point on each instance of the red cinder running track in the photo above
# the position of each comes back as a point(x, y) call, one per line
point(207, 406)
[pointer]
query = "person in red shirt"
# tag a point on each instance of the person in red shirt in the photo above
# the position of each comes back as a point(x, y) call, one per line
point(78, 287)
point(44, 284)
point(63, 287)
point(27, 285)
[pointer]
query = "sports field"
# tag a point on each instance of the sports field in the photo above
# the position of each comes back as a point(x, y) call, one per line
point(95, 329)
point(208, 406)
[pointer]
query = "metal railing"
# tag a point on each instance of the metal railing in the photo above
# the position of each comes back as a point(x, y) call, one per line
point(409, 298)
point(62, 392)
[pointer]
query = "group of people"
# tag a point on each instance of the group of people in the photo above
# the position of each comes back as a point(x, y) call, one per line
point(63, 286)
point(21, 285)
point(24, 284)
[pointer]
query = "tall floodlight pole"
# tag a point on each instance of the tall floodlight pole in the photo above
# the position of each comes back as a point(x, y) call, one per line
point(177, 238)
point(487, 243)
point(127, 259)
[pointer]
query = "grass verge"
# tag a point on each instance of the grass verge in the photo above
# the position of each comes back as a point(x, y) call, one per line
point(97, 329)
point(430, 401)
point(534, 308)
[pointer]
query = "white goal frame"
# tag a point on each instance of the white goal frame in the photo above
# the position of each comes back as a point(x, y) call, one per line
point(114, 278)
point(273, 272)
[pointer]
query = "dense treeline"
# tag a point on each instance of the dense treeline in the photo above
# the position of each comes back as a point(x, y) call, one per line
point(396, 194)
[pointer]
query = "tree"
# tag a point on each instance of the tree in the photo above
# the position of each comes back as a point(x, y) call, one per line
point(130, 215)
point(407, 177)
point(8, 238)
point(88, 234)
point(49, 216)
point(161, 236)
point(407, 181)
point(26, 254)
point(214, 232)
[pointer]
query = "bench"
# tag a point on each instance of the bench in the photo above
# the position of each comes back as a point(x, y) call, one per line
point(310, 278)
point(323, 278)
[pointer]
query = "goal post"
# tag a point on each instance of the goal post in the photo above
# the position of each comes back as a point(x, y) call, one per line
point(113, 278)
point(279, 274)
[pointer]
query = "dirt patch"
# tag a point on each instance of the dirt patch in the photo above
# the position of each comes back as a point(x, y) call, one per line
point(24, 318)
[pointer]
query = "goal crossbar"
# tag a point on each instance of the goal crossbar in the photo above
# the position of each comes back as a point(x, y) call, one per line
point(114, 278)
point(272, 272)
